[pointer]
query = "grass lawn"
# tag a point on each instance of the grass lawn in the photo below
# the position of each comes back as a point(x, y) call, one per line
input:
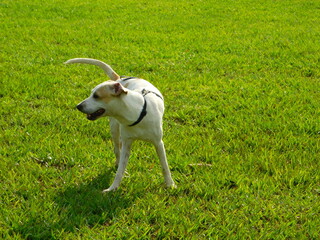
point(241, 82)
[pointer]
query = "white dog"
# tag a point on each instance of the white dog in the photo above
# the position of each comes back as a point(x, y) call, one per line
point(135, 108)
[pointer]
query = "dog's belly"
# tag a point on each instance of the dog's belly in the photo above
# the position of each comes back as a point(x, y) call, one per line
point(141, 133)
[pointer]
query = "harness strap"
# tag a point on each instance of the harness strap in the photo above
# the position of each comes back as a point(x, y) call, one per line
point(143, 113)
point(145, 92)
point(126, 78)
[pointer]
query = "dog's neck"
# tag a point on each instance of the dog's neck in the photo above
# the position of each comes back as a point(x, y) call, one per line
point(128, 107)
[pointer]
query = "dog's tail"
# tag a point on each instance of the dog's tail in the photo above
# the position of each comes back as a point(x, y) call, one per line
point(106, 68)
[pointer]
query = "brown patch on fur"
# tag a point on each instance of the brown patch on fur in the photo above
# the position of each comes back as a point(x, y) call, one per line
point(103, 94)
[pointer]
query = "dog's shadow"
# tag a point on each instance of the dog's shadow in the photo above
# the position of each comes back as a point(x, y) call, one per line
point(78, 206)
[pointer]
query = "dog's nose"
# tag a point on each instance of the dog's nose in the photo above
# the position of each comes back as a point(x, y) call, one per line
point(80, 107)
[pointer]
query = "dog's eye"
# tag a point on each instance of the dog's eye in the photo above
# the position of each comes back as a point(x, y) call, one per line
point(95, 96)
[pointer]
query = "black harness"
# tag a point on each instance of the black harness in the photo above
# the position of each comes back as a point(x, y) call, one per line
point(143, 113)
point(126, 78)
point(144, 92)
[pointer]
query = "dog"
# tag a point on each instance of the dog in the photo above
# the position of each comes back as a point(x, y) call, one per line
point(135, 108)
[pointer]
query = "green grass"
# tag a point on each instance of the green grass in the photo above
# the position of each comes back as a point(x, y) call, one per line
point(241, 81)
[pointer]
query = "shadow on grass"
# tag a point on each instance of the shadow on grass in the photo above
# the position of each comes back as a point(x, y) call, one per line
point(75, 207)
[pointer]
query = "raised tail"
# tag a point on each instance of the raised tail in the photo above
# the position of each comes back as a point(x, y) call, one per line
point(106, 68)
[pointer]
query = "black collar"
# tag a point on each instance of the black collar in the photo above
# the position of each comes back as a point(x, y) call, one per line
point(143, 113)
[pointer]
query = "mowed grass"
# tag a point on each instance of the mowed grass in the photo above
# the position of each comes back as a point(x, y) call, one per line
point(241, 83)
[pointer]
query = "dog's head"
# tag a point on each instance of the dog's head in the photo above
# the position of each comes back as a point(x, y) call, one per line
point(98, 103)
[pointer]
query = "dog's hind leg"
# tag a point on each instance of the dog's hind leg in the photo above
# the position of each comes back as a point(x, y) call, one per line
point(124, 156)
point(115, 134)
point(164, 164)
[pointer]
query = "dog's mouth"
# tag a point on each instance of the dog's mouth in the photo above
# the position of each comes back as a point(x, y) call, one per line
point(96, 114)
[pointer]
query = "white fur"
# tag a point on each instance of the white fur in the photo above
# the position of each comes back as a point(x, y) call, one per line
point(123, 101)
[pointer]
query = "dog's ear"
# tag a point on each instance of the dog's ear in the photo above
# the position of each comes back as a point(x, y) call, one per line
point(117, 89)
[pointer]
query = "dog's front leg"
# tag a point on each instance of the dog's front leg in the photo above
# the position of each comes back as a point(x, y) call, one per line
point(124, 156)
point(115, 133)
point(164, 164)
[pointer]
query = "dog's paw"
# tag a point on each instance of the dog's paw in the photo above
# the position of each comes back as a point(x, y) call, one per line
point(172, 185)
point(110, 189)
